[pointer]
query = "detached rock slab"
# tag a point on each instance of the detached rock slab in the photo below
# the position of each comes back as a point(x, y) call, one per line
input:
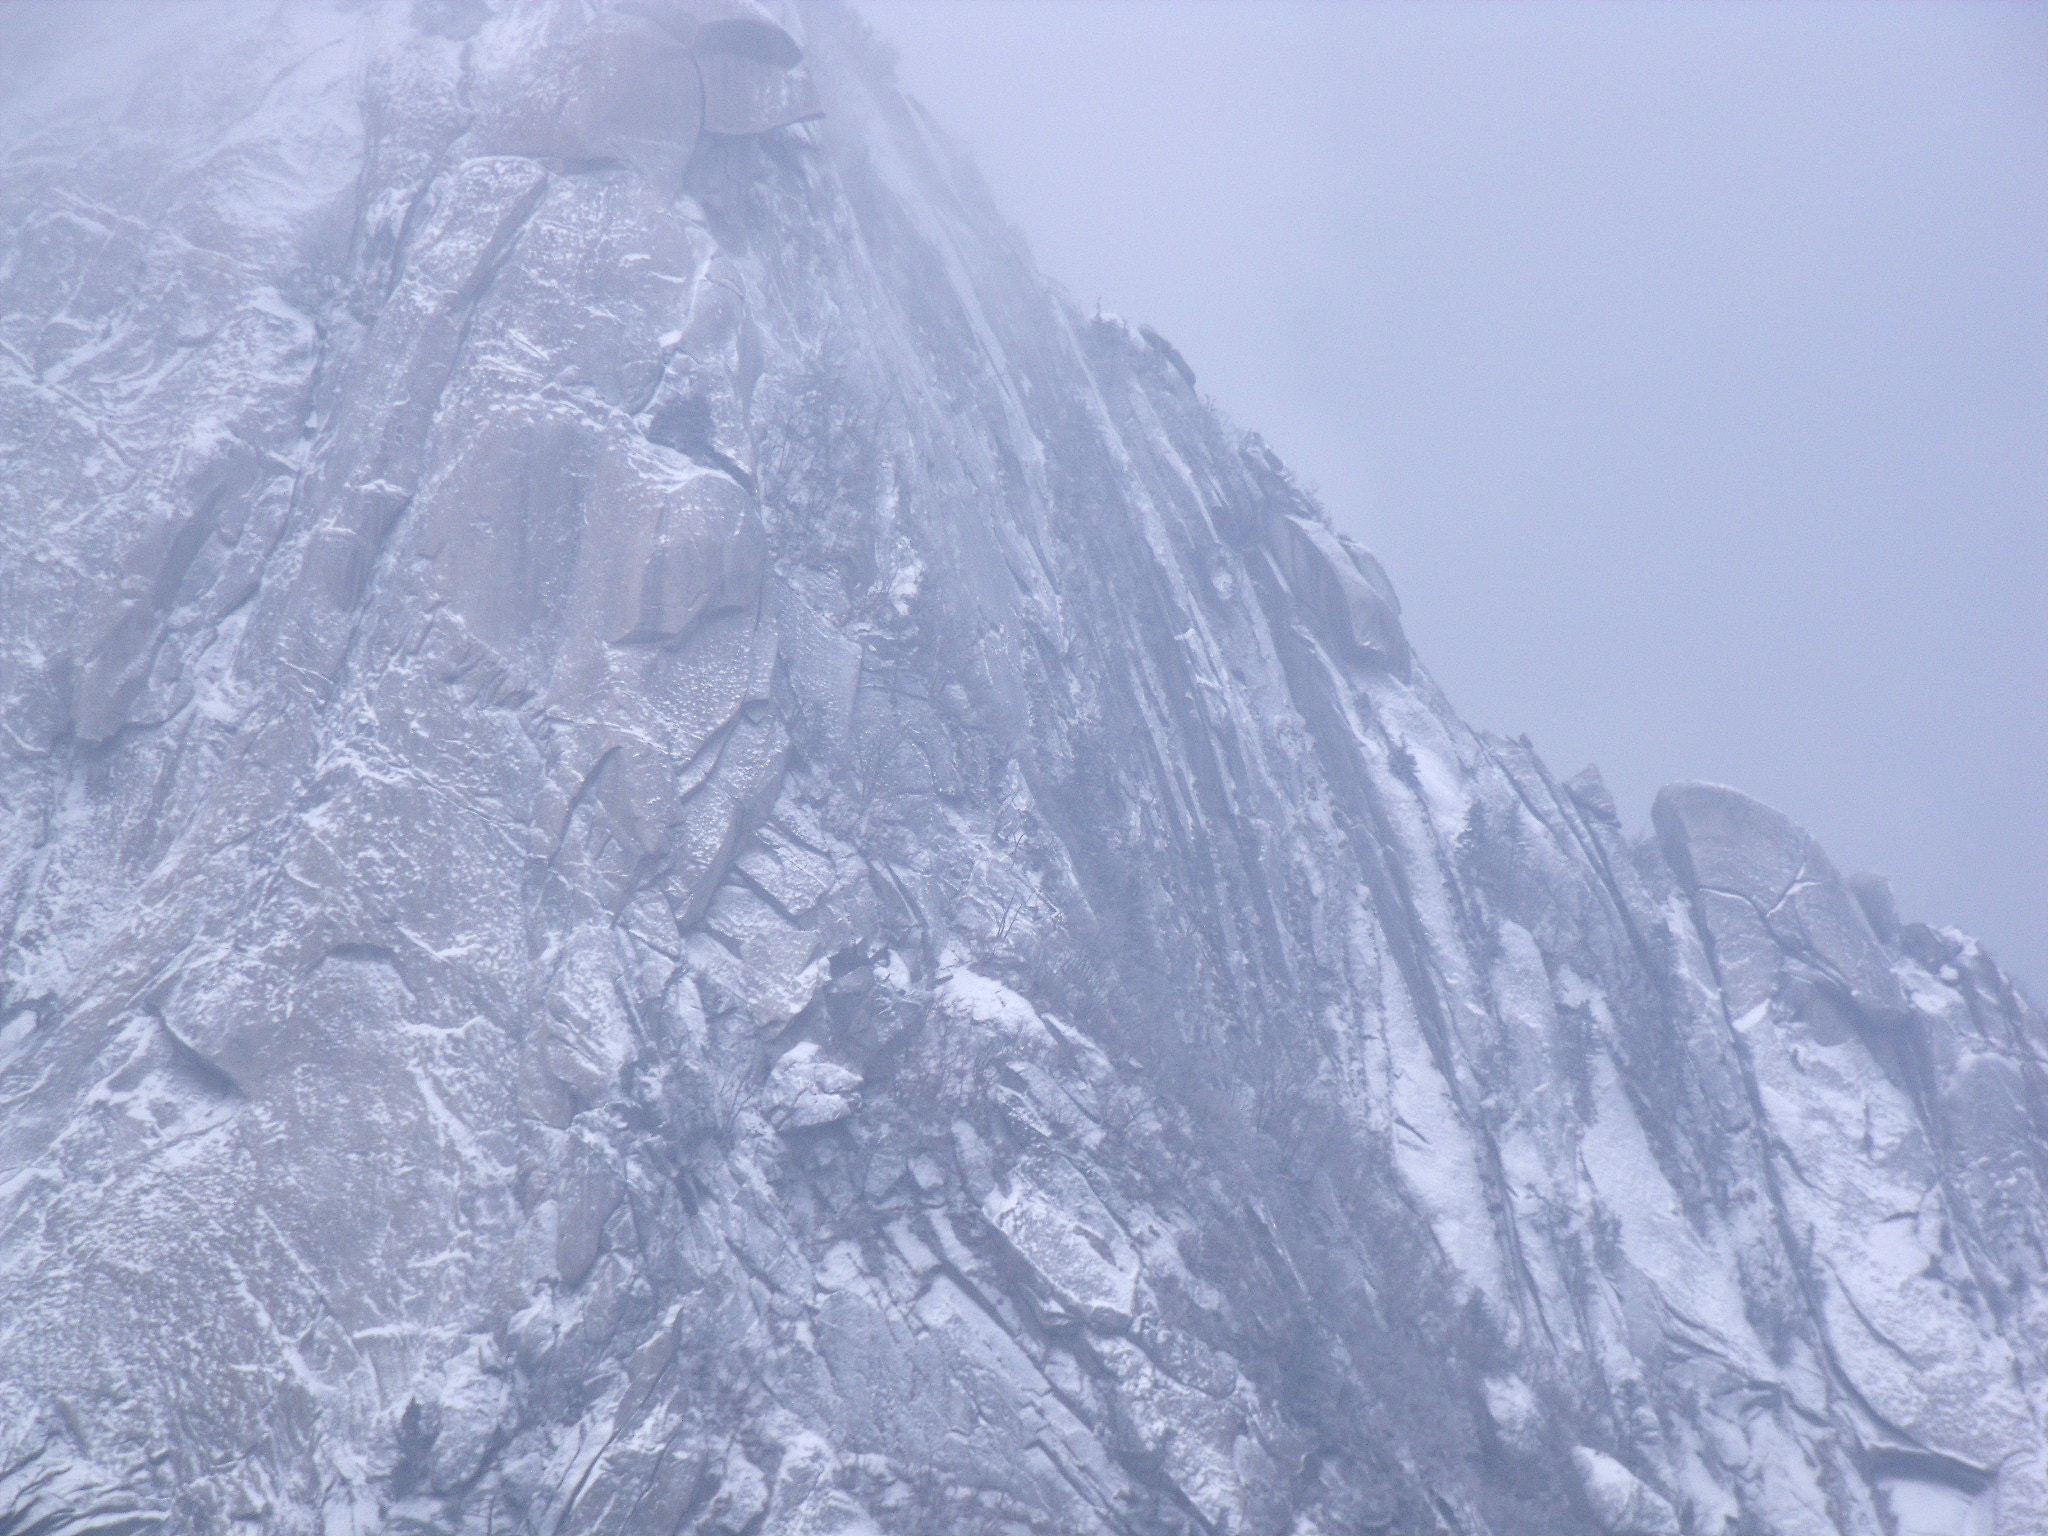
point(1054, 1221)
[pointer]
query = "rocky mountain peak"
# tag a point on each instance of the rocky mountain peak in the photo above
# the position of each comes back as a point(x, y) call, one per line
point(676, 855)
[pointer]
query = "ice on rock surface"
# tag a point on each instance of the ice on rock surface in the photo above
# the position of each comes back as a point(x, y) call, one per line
point(677, 857)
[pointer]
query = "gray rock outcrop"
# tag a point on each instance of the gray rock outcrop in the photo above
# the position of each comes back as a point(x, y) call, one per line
point(676, 856)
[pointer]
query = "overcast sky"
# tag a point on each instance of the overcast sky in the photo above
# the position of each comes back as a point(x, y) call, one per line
point(1685, 363)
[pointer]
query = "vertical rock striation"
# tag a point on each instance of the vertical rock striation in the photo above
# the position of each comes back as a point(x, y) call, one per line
point(676, 856)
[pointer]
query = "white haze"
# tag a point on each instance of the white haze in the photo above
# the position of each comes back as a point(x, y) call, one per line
point(1687, 364)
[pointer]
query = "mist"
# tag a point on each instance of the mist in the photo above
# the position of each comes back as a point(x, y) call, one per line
point(1686, 364)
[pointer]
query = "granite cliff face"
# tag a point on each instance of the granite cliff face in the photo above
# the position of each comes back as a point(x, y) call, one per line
point(677, 857)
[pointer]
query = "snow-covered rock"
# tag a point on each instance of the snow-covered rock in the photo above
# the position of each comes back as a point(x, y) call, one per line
point(807, 1092)
point(677, 856)
point(1621, 1501)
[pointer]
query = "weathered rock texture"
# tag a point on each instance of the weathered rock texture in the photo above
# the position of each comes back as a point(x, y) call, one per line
point(675, 856)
